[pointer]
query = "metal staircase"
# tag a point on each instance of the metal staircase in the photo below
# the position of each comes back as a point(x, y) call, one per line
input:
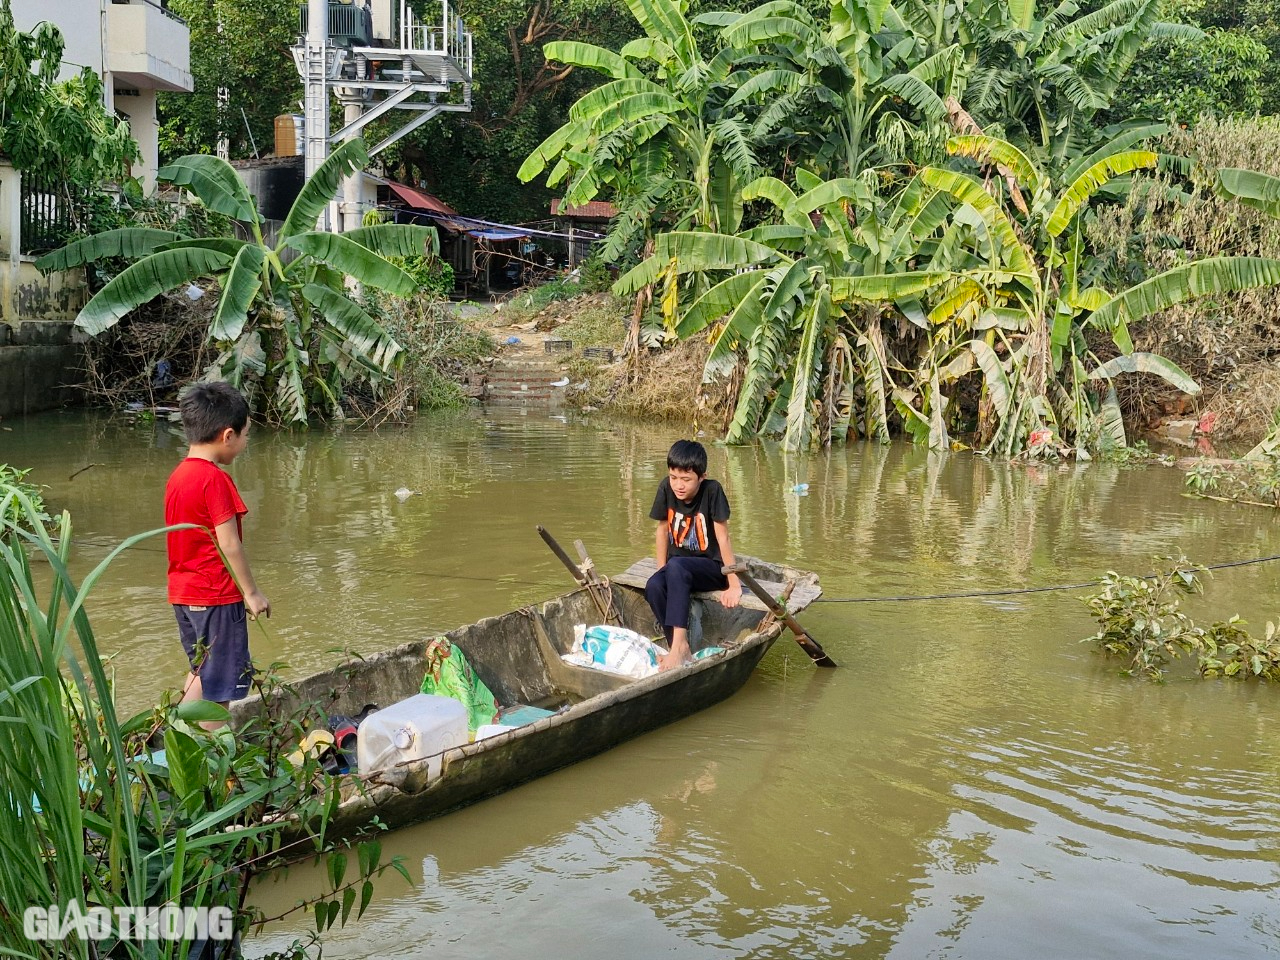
point(379, 57)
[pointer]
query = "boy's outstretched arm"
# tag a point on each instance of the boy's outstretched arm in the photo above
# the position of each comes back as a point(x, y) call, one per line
point(660, 545)
point(229, 542)
point(728, 598)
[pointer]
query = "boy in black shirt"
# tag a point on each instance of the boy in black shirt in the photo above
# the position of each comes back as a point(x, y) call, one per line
point(691, 544)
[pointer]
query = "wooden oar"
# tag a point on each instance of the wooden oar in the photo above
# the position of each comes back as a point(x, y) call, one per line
point(807, 643)
point(564, 557)
point(597, 589)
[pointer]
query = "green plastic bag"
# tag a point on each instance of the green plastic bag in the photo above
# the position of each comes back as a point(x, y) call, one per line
point(449, 675)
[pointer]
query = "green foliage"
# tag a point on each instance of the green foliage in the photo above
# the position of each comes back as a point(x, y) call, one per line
point(518, 98)
point(440, 350)
point(241, 46)
point(1174, 216)
point(1184, 80)
point(1234, 71)
point(57, 129)
point(848, 291)
point(289, 335)
point(88, 817)
point(1255, 480)
point(433, 276)
point(538, 298)
point(14, 511)
point(1140, 620)
point(594, 274)
point(1230, 651)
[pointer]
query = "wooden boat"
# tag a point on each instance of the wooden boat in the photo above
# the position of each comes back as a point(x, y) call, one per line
point(518, 656)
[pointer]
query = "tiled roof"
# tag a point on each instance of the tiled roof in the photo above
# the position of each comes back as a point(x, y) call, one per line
point(595, 210)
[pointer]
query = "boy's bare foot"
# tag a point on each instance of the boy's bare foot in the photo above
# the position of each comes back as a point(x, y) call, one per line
point(678, 657)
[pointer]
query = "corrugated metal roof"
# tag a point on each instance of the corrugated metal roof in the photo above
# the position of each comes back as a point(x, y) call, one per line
point(420, 200)
point(595, 210)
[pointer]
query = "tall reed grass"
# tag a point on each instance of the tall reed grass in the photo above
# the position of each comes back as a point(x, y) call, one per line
point(88, 814)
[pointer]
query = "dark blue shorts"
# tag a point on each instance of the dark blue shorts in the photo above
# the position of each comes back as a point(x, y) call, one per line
point(217, 643)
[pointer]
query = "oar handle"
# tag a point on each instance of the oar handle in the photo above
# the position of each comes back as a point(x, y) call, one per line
point(806, 642)
point(564, 557)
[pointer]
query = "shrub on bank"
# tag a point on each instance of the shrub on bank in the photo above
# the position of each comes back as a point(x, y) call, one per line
point(440, 351)
point(1227, 343)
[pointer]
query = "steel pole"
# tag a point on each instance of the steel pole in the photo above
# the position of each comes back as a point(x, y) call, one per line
point(316, 91)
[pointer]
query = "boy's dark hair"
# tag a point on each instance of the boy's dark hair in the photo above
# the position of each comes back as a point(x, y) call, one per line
point(688, 455)
point(209, 408)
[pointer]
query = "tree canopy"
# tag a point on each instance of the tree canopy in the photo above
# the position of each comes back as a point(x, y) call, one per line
point(59, 128)
point(241, 46)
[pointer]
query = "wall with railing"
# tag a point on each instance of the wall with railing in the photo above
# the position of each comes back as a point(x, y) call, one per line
point(38, 353)
point(35, 217)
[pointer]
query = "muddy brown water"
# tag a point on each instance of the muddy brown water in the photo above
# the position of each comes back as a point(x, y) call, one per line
point(971, 782)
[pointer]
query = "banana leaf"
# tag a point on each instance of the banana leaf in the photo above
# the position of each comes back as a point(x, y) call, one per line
point(145, 280)
point(574, 53)
point(1253, 189)
point(1162, 367)
point(240, 286)
point(215, 182)
point(349, 157)
point(1089, 182)
point(127, 242)
point(1204, 277)
point(397, 239)
point(354, 259)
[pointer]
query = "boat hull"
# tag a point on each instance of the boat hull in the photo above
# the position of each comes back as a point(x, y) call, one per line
point(518, 657)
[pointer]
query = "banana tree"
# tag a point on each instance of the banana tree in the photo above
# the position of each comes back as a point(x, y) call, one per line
point(802, 298)
point(658, 134)
point(285, 325)
point(1039, 365)
point(856, 91)
point(1039, 73)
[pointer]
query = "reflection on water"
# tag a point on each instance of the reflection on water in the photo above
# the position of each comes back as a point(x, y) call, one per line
point(972, 782)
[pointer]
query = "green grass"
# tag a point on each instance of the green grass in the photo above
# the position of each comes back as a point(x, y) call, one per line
point(600, 323)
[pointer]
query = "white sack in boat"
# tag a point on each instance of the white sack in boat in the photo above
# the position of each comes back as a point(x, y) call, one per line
point(614, 649)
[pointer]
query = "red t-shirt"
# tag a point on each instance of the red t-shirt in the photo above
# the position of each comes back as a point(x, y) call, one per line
point(199, 491)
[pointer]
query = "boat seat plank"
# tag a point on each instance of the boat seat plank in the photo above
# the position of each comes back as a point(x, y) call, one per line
point(638, 574)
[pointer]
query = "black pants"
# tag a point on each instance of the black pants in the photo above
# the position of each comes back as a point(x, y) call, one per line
point(668, 589)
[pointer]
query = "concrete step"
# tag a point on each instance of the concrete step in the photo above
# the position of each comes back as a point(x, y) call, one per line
point(525, 373)
point(525, 394)
point(518, 382)
point(524, 386)
point(523, 401)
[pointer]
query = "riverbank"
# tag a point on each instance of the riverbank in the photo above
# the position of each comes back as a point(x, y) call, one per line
point(587, 332)
point(665, 381)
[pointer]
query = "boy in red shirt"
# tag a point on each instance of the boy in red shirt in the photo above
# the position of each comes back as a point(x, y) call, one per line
point(210, 607)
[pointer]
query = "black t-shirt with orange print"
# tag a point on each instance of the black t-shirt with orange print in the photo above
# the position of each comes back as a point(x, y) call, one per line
point(690, 526)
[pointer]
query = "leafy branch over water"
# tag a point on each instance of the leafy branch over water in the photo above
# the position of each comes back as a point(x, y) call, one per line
point(1140, 619)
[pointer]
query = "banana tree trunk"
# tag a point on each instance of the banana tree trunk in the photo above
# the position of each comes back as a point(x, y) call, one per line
point(644, 297)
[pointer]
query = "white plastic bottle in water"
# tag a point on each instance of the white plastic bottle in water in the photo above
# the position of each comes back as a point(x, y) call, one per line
point(423, 726)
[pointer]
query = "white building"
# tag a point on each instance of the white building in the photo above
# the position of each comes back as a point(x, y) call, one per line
point(137, 46)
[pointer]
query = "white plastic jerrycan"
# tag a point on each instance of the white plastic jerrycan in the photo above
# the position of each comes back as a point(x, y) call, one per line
point(422, 726)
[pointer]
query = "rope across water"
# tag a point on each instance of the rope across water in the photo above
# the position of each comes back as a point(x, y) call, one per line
point(1014, 591)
